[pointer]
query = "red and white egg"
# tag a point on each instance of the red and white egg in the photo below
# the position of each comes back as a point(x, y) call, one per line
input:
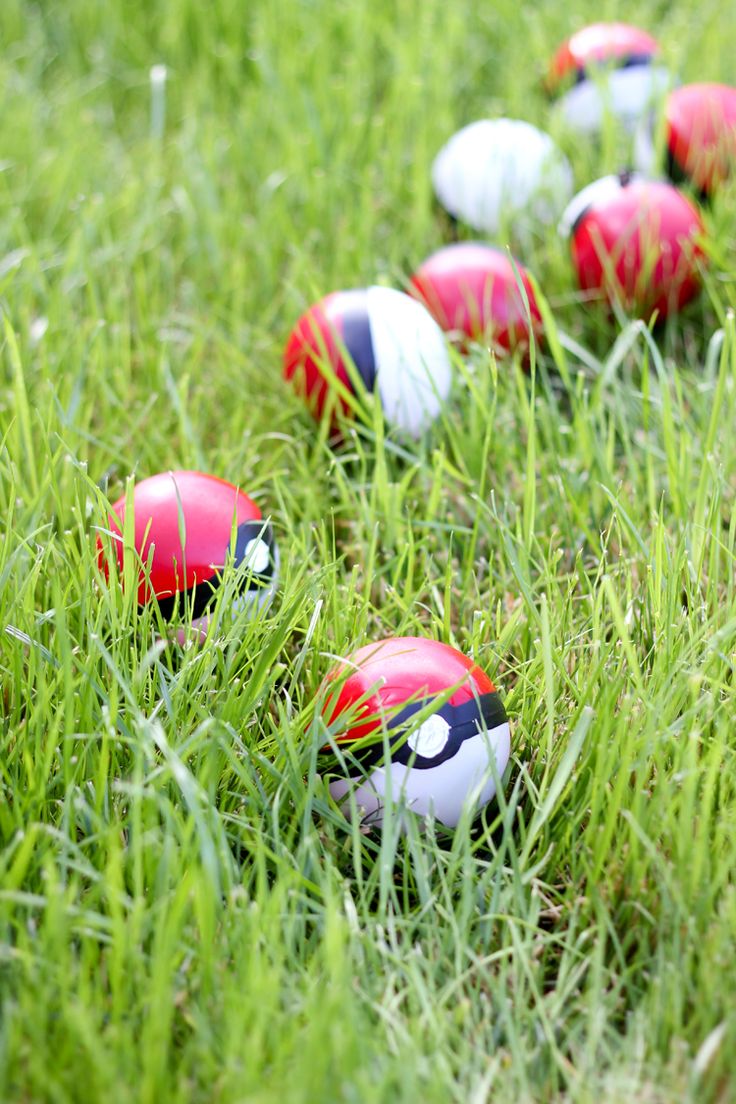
point(605, 68)
point(374, 339)
point(473, 292)
point(699, 136)
point(440, 765)
point(635, 241)
point(188, 527)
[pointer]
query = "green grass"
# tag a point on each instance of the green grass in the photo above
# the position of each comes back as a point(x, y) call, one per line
point(183, 913)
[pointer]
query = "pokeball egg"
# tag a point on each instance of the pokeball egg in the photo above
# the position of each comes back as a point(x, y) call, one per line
point(700, 136)
point(375, 338)
point(635, 240)
point(188, 527)
point(436, 767)
point(472, 291)
point(606, 67)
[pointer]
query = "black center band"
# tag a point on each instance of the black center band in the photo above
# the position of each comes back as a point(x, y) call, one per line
point(198, 599)
point(464, 721)
point(627, 61)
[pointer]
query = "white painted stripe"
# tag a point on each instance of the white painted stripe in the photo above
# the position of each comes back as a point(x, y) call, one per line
point(413, 370)
point(494, 169)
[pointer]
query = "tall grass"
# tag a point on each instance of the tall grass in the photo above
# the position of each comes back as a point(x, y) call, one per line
point(184, 914)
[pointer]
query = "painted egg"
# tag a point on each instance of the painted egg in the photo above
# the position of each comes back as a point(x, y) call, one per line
point(473, 292)
point(187, 528)
point(448, 733)
point(377, 340)
point(636, 241)
point(700, 136)
point(498, 171)
point(606, 67)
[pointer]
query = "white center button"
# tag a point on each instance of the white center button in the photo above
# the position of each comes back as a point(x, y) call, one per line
point(256, 556)
point(430, 738)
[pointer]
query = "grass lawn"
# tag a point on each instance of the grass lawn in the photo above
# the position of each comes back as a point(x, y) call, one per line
point(184, 914)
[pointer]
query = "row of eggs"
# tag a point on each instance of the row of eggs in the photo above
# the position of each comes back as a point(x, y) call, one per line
point(406, 721)
point(498, 173)
point(634, 240)
point(410, 719)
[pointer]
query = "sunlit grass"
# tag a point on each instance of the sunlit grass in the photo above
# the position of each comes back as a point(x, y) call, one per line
point(184, 914)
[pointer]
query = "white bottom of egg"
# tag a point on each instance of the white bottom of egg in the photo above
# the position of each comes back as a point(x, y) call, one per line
point(444, 792)
point(626, 94)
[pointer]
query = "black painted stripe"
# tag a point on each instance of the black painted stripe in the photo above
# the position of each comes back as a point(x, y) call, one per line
point(627, 61)
point(465, 721)
point(198, 599)
point(356, 336)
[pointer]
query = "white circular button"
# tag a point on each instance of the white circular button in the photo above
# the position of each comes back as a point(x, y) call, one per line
point(430, 738)
point(256, 556)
